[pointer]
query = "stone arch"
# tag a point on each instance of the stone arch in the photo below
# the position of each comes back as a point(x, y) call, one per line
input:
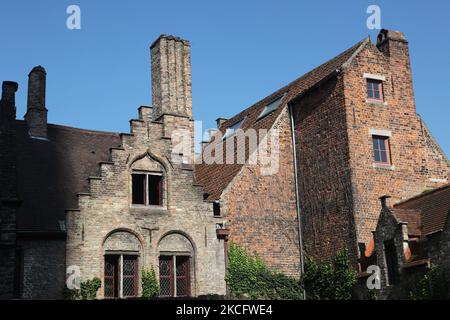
point(166, 165)
point(121, 263)
point(123, 239)
point(151, 166)
point(177, 247)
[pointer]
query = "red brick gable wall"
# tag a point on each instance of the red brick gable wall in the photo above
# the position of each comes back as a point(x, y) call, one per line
point(417, 164)
point(261, 209)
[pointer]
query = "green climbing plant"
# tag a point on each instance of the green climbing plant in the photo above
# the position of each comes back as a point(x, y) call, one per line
point(248, 277)
point(150, 286)
point(434, 285)
point(329, 281)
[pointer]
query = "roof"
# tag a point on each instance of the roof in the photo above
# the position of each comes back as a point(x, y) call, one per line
point(434, 206)
point(216, 177)
point(412, 216)
point(52, 173)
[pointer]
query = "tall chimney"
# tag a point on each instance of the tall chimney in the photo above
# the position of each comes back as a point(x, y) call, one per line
point(171, 77)
point(8, 101)
point(394, 46)
point(36, 116)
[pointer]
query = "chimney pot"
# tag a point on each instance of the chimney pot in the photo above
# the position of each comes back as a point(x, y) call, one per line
point(383, 200)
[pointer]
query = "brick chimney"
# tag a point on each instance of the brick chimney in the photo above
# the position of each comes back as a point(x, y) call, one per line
point(393, 45)
point(171, 77)
point(36, 116)
point(8, 101)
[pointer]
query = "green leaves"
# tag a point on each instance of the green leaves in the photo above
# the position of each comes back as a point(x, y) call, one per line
point(248, 277)
point(150, 286)
point(323, 281)
point(88, 290)
point(434, 285)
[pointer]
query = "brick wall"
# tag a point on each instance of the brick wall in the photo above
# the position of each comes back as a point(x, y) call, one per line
point(261, 209)
point(44, 269)
point(324, 173)
point(417, 162)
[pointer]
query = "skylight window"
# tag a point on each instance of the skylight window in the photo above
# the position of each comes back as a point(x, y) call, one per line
point(270, 107)
point(232, 129)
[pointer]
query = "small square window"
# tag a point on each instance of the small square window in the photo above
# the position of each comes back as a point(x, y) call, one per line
point(381, 150)
point(147, 189)
point(375, 89)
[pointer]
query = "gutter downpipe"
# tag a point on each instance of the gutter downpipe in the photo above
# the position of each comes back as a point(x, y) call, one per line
point(297, 195)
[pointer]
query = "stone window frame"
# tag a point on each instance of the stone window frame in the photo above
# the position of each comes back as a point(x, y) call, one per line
point(382, 80)
point(385, 134)
point(163, 190)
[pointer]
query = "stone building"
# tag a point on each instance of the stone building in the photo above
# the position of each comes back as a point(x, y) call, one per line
point(104, 204)
point(308, 164)
point(410, 237)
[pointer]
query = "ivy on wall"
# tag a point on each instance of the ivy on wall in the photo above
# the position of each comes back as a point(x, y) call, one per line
point(434, 285)
point(248, 277)
point(329, 281)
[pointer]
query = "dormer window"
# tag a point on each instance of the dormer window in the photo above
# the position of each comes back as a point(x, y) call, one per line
point(268, 109)
point(232, 129)
point(147, 189)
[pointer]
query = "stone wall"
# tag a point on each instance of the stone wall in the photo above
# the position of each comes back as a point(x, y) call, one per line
point(107, 208)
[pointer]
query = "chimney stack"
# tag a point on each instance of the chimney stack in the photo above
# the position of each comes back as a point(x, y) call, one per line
point(384, 200)
point(8, 101)
point(171, 77)
point(220, 122)
point(36, 116)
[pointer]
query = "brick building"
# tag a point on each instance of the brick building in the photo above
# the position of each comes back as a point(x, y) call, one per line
point(411, 236)
point(338, 138)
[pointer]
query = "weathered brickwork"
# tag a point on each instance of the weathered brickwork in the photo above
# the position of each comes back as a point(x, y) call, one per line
point(324, 173)
point(9, 199)
point(44, 268)
point(417, 164)
point(107, 219)
point(263, 218)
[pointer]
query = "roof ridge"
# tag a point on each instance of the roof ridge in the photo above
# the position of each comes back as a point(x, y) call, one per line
point(359, 45)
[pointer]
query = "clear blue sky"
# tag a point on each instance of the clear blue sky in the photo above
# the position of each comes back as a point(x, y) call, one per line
point(241, 51)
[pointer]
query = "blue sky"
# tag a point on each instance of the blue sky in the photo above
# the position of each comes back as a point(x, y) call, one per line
point(241, 51)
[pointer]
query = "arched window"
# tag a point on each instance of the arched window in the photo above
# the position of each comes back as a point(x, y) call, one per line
point(122, 251)
point(176, 265)
point(148, 183)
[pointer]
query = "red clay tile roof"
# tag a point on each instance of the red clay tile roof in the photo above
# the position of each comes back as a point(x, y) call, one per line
point(51, 173)
point(434, 206)
point(216, 177)
point(412, 216)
